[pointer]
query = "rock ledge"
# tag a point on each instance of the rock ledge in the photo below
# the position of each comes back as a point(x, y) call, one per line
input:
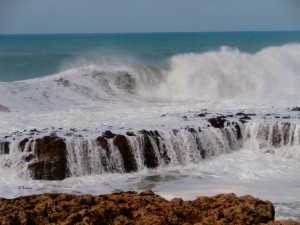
point(133, 208)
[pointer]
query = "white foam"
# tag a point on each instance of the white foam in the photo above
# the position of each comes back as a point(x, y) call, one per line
point(100, 97)
point(231, 74)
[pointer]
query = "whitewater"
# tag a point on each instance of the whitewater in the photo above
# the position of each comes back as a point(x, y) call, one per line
point(126, 95)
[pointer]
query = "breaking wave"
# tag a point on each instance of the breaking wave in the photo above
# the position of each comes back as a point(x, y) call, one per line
point(223, 74)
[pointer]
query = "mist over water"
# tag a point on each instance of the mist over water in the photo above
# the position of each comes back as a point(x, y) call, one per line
point(225, 74)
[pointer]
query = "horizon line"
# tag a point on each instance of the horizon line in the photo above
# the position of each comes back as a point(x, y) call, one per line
point(154, 32)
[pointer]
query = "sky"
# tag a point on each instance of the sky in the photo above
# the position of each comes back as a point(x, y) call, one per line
point(119, 16)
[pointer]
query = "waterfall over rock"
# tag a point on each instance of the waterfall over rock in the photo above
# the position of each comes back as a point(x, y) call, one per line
point(55, 158)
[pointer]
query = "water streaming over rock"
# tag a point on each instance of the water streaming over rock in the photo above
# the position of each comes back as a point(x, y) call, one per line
point(112, 153)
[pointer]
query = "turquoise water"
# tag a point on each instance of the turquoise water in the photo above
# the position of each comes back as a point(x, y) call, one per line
point(31, 56)
point(162, 82)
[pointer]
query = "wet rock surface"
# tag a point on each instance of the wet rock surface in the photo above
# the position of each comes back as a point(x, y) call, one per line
point(51, 163)
point(133, 208)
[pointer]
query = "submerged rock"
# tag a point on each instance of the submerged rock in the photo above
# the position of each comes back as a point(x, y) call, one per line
point(133, 208)
point(296, 109)
point(4, 108)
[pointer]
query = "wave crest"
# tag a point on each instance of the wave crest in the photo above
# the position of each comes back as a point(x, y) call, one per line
point(229, 73)
point(272, 73)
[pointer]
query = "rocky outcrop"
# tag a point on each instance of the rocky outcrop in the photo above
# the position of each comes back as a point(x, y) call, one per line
point(49, 156)
point(51, 159)
point(133, 208)
point(277, 135)
point(296, 109)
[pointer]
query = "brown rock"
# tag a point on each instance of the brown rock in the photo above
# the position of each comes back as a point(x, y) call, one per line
point(129, 161)
point(133, 208)
point(51, 157)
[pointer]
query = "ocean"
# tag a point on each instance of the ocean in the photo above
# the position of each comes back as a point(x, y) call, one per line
point(81, 85)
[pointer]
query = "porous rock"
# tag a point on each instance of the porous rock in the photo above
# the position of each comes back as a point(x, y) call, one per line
point(133, 208)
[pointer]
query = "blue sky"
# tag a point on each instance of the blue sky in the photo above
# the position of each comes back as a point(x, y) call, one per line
point(117, 16)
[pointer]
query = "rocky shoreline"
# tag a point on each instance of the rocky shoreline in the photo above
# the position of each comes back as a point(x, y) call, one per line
point(133, 208)
point(49, 156)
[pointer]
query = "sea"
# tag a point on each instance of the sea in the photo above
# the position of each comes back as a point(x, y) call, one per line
point(81, 85)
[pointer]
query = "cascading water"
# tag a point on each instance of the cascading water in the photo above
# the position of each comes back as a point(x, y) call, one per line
point(282, 139)
point(137, 152)
point(164, 148)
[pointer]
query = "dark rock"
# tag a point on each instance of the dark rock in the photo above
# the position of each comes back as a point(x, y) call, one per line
point(296, 109)
point(191, 130)
point(108, 134)
point(175, 131)
point(29, 157)
point(245, 117)
point(201, 115)
point(4, 147)
point(103, 143)
point(238, 131)
point(240, 114)
point(286, 133)
point(130, 134)
point(217, 122)
point(243, 121)
point(276, 136)
point(129, 161)
point(23, 143)
point(144, 132)
point(150, 143)
point(51, 157)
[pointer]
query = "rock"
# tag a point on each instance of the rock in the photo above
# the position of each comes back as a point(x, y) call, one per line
point(4, 108)
point(201, 115)
point(103, 143)
point(108, 134)
point(133, 208)
point(131, 134)
point(4, 147)
point(129, 161)
point(245, 117)
point(150, 158)
point(23, 143)
point(296, 109)
point(51, 157)
point(217, 122)
point(276, 136)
